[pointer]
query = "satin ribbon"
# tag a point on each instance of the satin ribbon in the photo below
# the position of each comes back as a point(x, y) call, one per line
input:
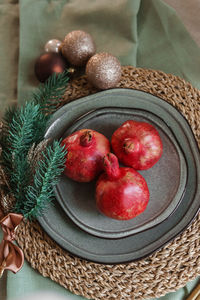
point(11, 256)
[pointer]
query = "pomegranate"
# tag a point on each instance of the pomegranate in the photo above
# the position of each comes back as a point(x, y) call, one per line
point(121, 193)
point(137, 144)
point(85, 150)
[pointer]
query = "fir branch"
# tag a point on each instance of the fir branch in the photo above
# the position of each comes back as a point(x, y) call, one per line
point(7, 119)
point(46, 177)
point(10, 113)
point(20, 178)
point(24, 127)
point(50, 94)
point(27, 126)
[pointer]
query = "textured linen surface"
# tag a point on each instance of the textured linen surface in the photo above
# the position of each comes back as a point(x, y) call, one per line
point(9, 35)
point(143, 33)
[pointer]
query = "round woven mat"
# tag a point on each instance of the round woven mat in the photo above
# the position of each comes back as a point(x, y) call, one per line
point(166, 270)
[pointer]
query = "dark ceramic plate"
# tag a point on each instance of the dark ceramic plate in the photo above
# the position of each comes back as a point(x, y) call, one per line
point(64, 231)
point(166, 180)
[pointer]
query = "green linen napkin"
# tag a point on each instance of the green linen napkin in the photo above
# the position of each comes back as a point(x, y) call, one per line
point(144, 33)
point(9, 35)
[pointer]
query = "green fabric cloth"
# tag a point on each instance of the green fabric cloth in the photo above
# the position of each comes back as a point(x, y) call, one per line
point(144, 33)
point(140, 33)
point(9, 34)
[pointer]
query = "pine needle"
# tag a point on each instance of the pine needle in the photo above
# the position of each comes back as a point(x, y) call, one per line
point(50, 94)
point(20, 178)
point(7, 119)
point(9, 114)
point(46, 177)
point(26, 126)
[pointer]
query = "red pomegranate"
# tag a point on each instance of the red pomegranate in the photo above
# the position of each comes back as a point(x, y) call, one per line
point(137, 144)
point(85, 150)
point(121, 193)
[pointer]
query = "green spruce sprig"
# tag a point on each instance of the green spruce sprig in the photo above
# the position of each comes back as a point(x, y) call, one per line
point(50, 95)
point(46, 177)
point(20, 178)
point(9, 114)
point(25, 126)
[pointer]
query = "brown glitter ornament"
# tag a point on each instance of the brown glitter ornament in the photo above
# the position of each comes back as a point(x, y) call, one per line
point(49, 63)
point(78, 46)
point(103, 70)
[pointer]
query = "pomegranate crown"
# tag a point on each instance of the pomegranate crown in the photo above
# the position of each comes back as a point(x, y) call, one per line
point(111, 165)
point(86, 138)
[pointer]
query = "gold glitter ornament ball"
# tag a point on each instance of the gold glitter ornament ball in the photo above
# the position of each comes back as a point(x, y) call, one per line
point(78, 46)
point(103, 70)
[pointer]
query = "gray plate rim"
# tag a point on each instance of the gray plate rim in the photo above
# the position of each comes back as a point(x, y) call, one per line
point(182, 224)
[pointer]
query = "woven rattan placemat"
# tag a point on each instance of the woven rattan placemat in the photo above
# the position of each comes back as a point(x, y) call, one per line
point(167, 269)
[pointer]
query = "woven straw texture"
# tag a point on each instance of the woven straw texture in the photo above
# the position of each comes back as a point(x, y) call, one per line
point(167, 269)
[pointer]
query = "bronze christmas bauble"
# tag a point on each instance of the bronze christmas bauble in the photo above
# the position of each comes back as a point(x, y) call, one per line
point(78, 46)
point(103, 70)
point(53, 46)
point(49, 63)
